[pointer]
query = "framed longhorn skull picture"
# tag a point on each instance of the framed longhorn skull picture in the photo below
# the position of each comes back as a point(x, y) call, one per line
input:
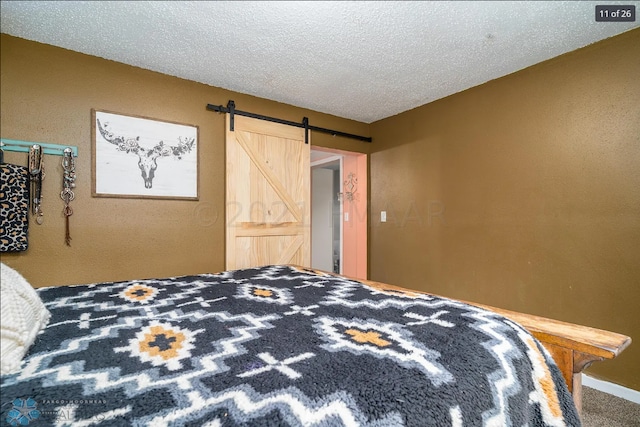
point(139, 157)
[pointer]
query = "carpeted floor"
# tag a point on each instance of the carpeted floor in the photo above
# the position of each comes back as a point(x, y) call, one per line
point(605, 410)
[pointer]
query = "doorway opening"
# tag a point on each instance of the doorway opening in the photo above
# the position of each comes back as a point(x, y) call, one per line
point(339, 212)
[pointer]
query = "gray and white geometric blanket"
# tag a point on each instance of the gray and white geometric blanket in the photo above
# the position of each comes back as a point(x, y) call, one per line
point(278, 346)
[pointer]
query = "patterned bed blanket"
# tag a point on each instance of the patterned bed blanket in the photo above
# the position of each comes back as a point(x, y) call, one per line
point(279, 346)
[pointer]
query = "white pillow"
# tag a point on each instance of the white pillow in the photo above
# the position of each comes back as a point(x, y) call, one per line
point(23, 315)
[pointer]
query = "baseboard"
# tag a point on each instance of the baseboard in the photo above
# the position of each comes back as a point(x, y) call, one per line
point(611, 388)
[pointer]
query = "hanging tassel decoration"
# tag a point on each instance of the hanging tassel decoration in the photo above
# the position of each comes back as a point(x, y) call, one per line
point(36, 172)
point(67, 194)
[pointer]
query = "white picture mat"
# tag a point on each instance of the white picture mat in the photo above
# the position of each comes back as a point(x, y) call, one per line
point(117, 172)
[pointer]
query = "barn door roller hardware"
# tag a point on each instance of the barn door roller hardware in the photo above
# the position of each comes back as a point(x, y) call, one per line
point(231, 109)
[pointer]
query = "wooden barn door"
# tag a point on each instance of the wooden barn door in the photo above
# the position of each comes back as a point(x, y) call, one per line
point(268, 195)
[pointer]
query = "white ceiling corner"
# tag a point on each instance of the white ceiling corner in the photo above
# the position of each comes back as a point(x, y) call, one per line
point(362, 60)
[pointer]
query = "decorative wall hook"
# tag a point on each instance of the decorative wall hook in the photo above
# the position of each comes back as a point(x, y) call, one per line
point(350, 188)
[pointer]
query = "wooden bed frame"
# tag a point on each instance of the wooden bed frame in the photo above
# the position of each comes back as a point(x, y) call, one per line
point(573, 347)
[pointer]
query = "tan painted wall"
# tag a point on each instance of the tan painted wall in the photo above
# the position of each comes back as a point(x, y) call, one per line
point(522, 193)
point(47, 96)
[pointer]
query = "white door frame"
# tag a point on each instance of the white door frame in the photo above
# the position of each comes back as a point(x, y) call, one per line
point(319, 163)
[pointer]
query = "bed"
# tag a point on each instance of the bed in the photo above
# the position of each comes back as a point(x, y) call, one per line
point(280, 346)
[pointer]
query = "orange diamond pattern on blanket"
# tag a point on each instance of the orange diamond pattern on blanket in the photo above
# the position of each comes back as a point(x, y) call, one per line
point(161, 344)
point(280, 296)
point(139, 293)
point(363, 337)
point(367, 337)
point(262, 292)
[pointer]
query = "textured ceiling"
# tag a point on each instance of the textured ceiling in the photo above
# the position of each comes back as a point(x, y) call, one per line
point(359, 60)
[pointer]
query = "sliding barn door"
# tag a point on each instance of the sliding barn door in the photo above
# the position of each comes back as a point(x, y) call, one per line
point(268, 195)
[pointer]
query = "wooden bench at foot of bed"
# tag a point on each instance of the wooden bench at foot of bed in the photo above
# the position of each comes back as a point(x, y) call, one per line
point(573, 347)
